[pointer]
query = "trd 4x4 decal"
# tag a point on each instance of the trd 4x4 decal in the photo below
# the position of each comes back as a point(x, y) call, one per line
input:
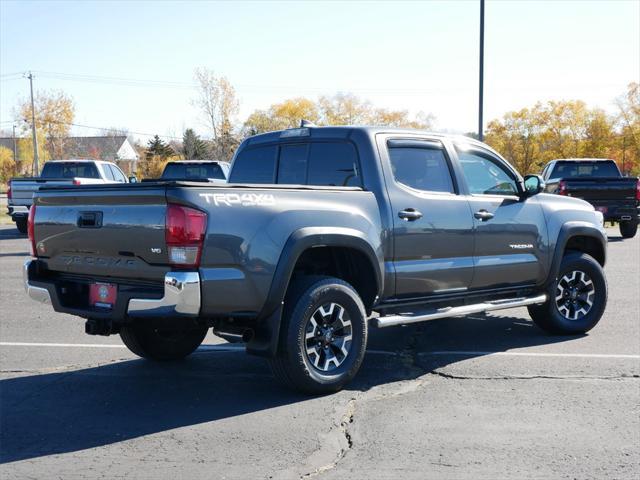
point(244, 199)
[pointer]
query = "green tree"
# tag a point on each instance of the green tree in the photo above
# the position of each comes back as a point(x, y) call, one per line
point(193, 147)
point(156, 156)
point(156, 147)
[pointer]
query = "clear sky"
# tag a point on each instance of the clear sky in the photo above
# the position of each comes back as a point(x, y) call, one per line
point(419, 56)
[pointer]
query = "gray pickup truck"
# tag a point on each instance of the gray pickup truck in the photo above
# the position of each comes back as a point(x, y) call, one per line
point(57, 173)
point(321, 234)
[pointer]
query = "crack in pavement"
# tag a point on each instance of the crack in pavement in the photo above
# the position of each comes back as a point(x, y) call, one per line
point(452, 376)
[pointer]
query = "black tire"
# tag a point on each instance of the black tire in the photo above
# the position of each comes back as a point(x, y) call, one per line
point(308, 299)
point(148, 341)
point(549, 316)
point(628, 228)
point(21, 225)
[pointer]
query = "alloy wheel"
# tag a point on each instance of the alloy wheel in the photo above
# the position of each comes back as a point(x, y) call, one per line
point(575, 295)
point(328, 336)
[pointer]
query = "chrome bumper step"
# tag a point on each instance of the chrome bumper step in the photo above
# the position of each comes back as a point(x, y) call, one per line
point(405, 319)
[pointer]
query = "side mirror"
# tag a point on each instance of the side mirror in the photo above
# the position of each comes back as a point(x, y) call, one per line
point(533, 184)
point(133, 179)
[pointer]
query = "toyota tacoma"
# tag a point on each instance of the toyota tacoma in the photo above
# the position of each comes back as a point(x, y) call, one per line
point(320, 234)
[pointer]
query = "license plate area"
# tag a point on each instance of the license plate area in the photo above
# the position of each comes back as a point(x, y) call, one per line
point(103, 295)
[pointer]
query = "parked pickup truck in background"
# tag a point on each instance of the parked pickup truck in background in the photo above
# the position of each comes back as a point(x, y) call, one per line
point(57, 172)
point(599, 182)
point(319, 228)
point(196, 170)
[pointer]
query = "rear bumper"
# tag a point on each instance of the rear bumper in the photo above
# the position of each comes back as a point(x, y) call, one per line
point(180, 298)
point(612, 212)
point(18, 211)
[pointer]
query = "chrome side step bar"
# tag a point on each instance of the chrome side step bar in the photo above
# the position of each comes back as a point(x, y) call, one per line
point(392, 320)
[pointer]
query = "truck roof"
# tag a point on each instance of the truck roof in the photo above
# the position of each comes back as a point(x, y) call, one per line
point(78, 160)
point(582, 160)
point(182, 162)
point(345, 130)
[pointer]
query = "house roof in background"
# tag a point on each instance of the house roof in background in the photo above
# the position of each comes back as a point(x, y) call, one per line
point(99, 148)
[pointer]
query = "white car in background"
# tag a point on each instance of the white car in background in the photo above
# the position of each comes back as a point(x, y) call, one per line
point(58, 172)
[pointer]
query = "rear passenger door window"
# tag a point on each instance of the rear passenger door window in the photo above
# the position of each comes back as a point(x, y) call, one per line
point(420, 166)
point(333, 164)
point(108, 174)
point(117, 174)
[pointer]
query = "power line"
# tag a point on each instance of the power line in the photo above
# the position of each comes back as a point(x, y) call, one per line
point(137, 82)
point(106, 129)
point(12, 74)
point(112, 129)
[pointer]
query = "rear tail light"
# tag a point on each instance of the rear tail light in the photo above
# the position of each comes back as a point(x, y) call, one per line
point(31, 229)
point(9, 194)
point(184, 233)
point(562, 188)
point(638, 190)
point(76, 181)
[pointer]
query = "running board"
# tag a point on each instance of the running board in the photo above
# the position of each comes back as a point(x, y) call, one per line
point(392, 320)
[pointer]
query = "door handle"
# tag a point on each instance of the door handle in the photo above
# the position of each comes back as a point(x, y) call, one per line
point(483, 215)
point(409, 214)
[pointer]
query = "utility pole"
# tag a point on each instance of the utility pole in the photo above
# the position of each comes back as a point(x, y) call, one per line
point(481, 93)
point(624, 151)
point(36, 167)
point(15, 146)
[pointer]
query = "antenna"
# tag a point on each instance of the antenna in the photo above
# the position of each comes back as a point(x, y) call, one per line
point(306, 123)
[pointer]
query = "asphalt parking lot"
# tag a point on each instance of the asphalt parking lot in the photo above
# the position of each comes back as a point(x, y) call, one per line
point(476, 397)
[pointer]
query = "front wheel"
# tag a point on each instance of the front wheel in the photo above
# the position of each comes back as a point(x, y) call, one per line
point(150, 341)
point(628, 228)
point(323, 336)
point(576, 300)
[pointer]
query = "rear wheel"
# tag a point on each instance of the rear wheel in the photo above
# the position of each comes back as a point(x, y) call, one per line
point(628, 228)
point(576, 300)
point(21, 225)
point(323, 336)
point(150, 341)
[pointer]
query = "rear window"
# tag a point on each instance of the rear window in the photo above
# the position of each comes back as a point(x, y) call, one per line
point(69, 170)
point(584, 169)
point(315, 163)
point(194, 171)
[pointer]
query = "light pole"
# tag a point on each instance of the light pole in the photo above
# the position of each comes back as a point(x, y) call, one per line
point(480, 96)
point(36, 167)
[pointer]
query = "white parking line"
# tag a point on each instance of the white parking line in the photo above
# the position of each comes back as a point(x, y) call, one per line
point(79, 345)
point(97, 345)
point(529, 354)
point(240, 348)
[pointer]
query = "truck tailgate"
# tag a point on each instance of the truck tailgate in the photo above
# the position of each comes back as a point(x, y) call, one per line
point(22, 189)
point(103, 231)
point(602, 188)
